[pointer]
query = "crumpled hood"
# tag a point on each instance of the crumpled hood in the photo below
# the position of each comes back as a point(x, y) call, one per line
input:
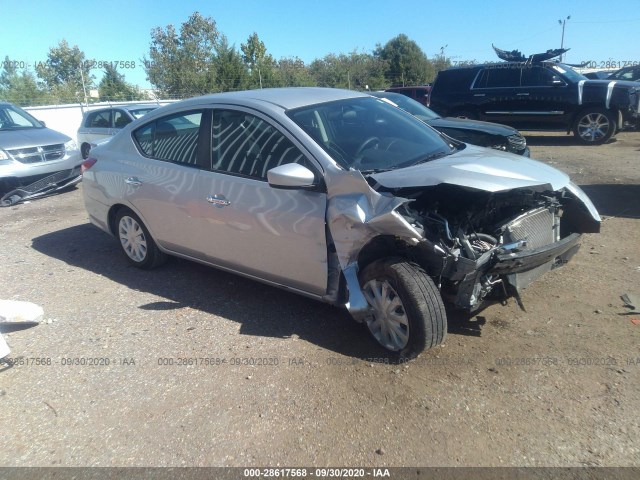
point(30, 137)
point(477, 168)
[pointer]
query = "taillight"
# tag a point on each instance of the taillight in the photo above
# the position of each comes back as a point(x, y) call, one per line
point(87, 164)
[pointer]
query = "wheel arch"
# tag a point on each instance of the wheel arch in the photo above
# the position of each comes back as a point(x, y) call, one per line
point(113, 213)
point(385, 246)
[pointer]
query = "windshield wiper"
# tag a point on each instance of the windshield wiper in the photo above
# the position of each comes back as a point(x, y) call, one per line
point(432, 156)
point(375, 170)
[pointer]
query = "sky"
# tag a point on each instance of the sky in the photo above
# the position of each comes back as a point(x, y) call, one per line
point(117, 30)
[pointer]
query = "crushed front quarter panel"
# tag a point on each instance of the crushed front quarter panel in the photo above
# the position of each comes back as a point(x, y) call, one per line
point(355, 215)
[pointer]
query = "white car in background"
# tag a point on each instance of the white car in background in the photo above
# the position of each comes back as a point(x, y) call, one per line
point(103, 123)
point(34, 160)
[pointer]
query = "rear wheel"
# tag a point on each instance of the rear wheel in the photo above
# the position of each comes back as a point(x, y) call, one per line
point(595, 126)
point(408, 315)
point(136, 242)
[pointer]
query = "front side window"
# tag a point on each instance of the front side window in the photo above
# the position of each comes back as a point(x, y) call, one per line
point(173, 138)
point(538, 77)
point(246, 145)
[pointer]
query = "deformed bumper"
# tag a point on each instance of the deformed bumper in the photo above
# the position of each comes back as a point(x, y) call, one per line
point(43, 186)
point(559, 252)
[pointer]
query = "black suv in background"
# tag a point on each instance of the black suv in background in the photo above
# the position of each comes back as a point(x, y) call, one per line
point(538, 96)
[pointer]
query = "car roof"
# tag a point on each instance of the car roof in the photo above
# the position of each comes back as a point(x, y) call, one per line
point(137, 106)
point(285, 98)
point(121, 107)
point(399, 89)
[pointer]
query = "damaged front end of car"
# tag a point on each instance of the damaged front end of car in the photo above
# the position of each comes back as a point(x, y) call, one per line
point(23, 189)
point(494, 244)
point(481, 231)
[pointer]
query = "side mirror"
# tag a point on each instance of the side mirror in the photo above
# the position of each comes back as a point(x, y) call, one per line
point(43, 124)
point(556, 82)
point(291, 176)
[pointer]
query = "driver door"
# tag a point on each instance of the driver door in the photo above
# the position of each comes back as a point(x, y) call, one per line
point(247, 225)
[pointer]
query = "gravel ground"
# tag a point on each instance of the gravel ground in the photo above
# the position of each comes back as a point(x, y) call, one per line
point(209, 369)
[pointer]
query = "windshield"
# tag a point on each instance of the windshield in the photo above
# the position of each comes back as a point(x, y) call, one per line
point(408, 105)
point(369, 134)
point(141, 112)
point(568, 72)
point(14, 118)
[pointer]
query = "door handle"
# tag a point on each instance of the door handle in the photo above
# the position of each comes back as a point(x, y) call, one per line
point(522, 94)
point(218, 200)
point(479, 94)
point(133, 181)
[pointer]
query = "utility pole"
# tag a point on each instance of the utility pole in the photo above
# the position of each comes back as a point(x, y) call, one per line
point(563, 23)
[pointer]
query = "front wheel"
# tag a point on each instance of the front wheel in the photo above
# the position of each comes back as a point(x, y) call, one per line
point(136, 242)
point(594, 126)
point(408, 315)
point(85, 148)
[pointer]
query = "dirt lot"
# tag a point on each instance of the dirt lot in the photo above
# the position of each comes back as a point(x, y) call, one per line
point(556, 385)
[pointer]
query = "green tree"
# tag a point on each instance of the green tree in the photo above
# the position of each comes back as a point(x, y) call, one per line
point(19, 88)
point(231, 72)
point(357, 71)
point(439, 62)
point(292, 72)
point(262, 66)
point(183, 64)
point(407, 63)
point(65, 71)
point(114, 87)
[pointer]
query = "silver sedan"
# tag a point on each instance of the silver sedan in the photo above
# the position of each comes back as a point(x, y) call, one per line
point(338, 196)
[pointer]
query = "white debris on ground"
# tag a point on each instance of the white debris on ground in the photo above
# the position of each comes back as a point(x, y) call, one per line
point(14, 311)
point(4, 348)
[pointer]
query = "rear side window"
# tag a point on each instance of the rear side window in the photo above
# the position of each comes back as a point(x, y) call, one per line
point(173, 138)
point(502, 77)
point(120, 119)
point(99, 119)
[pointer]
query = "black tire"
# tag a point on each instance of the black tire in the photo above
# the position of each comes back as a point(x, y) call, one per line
point(594, 126)
point(136, 243)
point(85, 148)
point(468, 114)
point(420, 305)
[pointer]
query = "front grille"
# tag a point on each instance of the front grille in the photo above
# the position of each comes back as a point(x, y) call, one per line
point(46, 153)
point(516, 142)
point(537, 227)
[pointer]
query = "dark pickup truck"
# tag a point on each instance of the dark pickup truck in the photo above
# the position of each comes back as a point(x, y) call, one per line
point(538, 96)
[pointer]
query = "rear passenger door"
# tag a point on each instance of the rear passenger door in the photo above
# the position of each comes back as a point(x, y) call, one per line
point(98, 126)
point(494, 92)
point(120, 120)
point(247, 225)
point(162, 185)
